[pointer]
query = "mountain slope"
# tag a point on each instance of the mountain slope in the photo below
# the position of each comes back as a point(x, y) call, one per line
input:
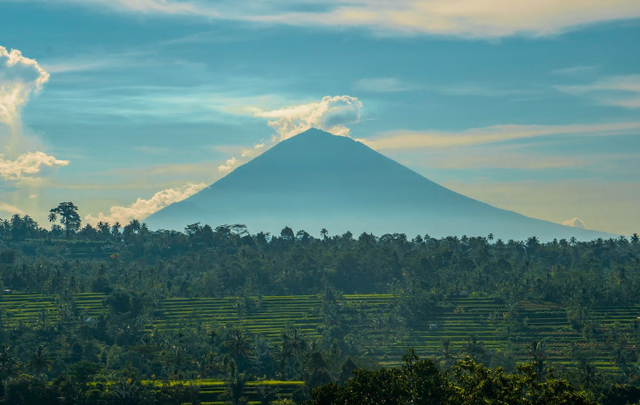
point(317, 180)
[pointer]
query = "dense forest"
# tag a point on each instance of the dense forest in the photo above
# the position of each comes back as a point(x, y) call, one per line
point(61, 355)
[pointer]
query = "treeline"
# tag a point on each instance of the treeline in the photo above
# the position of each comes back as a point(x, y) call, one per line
point(228, 261)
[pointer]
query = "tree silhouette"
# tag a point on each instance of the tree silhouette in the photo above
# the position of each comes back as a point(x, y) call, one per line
point(69, 217)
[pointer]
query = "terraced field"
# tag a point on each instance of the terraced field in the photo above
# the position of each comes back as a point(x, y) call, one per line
point(266, 316)
point(211, 392)
point(484, 317)
point(33, 308)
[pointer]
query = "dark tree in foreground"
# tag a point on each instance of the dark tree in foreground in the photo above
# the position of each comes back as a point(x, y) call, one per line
point(467, 383)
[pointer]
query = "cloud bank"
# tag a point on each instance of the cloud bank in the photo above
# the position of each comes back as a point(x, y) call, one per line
point(331, 114)
point(142, 208)
point(468, 18)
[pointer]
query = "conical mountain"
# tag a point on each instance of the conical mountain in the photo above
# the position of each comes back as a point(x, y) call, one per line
point(317, 180)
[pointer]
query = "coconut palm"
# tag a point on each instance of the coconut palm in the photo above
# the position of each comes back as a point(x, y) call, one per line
point(39, 361)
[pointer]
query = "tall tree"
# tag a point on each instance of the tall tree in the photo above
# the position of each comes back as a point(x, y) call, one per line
point(69, 217)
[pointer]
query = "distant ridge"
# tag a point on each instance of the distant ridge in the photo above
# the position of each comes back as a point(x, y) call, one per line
point(317, 180)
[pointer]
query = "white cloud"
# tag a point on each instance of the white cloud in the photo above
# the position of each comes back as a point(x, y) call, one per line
point(409, 140)
point(142, 208)
point(619, 91)
point(331, 114)
point(6, 209)
point(228, 165)
point(28, 165)
point(19, 77)
point(574, 222)
point(471, 18)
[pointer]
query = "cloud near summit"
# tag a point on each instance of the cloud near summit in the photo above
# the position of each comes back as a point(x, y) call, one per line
point(331, 114)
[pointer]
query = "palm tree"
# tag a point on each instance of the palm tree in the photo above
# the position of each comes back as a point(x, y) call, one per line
point(324, 233)
point(535, 351)
point(446, 356)
point(235, 384)
point(238, 345)
point(39, 361)
point(8, 362)
point(473, 348)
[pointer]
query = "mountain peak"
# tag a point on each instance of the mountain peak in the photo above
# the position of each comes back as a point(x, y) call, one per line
point(315, 134)
point(317, 180)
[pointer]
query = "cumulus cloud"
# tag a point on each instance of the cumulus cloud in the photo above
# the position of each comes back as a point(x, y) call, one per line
point(142, 208)
point(19, 77)
point(28, 165)
point(575, 223)
point(331, 114)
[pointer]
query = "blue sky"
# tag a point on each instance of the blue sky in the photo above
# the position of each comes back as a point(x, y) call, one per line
point(534, 108)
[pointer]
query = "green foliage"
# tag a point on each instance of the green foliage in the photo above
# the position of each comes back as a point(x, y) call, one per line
point(468, 383)
point(83, 304)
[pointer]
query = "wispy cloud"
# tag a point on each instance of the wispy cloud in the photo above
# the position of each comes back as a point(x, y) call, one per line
point(470, 18)
point(503, 160)
point(619, 91)
point(7, 209)
point(574, 70)
point(399, 140)
point(151, 6)
point(383, 85)
point(142, 208)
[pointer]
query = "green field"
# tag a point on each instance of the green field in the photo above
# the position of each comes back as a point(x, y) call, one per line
point(268, 316)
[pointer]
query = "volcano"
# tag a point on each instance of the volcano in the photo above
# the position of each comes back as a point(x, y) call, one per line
point(317, 180)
